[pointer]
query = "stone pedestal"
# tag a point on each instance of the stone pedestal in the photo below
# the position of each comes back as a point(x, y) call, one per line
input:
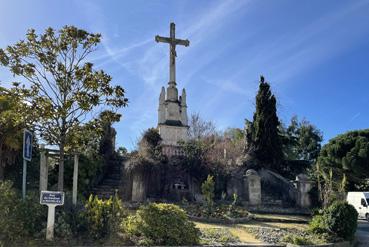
point(303, 185)
point(254, 187)
point(138, 188)
point(171, 135)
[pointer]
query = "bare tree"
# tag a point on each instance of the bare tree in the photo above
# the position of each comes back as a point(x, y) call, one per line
point(200, 128)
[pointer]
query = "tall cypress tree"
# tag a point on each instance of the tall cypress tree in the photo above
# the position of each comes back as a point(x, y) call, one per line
point(263, 139)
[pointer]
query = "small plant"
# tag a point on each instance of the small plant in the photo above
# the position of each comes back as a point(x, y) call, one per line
point(161, 224)
point(207, 189)
point(294, 239)
point(223, 196)
point(318, 225)
point(233, 205)
point(103, 216)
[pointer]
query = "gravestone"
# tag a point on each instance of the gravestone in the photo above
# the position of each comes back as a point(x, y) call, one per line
point(303, 185)
point(254, 187)
point(138, 188)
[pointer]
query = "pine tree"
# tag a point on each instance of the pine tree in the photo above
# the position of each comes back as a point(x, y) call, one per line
point(262, 134)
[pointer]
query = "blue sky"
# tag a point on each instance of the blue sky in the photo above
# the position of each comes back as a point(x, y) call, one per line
point(314, 53)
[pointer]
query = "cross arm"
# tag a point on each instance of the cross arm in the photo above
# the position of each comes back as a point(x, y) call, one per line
point(162, 39)
point(182, 42)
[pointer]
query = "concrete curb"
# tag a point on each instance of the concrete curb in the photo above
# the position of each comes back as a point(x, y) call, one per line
point(221, 221)
point(340, 244)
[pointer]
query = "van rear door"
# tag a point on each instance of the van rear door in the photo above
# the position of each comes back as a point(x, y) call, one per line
point(363, 208)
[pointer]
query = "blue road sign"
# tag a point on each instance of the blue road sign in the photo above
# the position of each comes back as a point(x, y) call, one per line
point(27, 145)
point(52, 198)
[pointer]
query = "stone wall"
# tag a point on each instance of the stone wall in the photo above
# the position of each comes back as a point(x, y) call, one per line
point(159, 181)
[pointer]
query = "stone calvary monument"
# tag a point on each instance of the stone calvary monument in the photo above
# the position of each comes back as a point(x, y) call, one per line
point(153, 179)
point(169, 177)
point(172, 112)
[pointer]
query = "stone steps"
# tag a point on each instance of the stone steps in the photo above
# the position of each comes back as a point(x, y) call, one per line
point(110, 183)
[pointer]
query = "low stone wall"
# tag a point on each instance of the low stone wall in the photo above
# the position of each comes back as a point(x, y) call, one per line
point(279, 210)
point(221, 221)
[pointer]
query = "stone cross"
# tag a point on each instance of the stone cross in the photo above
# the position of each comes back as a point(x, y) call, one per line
point(172, 41)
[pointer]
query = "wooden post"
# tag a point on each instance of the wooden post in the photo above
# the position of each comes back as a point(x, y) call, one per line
point(43, 168)
point(75, 180)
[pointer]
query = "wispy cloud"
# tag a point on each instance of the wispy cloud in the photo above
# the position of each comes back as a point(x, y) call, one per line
point(354, 117)
point(323, 39)
point(152, 65)
point(280, 58)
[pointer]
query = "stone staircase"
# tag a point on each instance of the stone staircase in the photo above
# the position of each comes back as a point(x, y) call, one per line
point(110, 183)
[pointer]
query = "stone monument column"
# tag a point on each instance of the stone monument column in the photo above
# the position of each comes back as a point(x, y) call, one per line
point(254, 185)
point(303, 185)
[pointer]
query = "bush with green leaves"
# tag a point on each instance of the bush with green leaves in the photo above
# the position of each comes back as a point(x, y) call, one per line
point(15, 220)
point(337, 221)
point(318, 224)
point(295, 239)
point(103, 217)
point(161, 224)
point(9, 228)
point(70, 220)
point(207, 189)
point(341, 220)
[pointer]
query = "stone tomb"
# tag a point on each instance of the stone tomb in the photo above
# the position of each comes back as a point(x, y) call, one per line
point(254, 187)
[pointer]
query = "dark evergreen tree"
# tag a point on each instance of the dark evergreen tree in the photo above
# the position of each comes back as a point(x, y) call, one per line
point(347, 155)
point(262, 134)
point(303, 141)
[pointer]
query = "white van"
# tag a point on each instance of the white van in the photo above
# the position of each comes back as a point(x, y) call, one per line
point(360, 200)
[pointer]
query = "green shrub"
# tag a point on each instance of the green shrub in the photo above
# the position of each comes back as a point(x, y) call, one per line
point(161, 224)
point(15, 220)
point(207, 189)
point(318, 225)
point(62, 227)
point(103, 217)
point(9, 227)
point(341, 220)
point(294, 239)
point(32, 215)
point(337, 221)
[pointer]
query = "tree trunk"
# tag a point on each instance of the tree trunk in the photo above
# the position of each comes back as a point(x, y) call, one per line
point(61, 167)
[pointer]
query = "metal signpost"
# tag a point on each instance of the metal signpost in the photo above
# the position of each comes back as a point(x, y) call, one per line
point(27, 156)
point(51, 199)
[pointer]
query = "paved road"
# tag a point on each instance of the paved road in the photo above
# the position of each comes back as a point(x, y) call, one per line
point(362, 233)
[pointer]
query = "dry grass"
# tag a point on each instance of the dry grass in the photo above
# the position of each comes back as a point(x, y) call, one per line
point(275, 225)
point(242, 234)
point(283, 217)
